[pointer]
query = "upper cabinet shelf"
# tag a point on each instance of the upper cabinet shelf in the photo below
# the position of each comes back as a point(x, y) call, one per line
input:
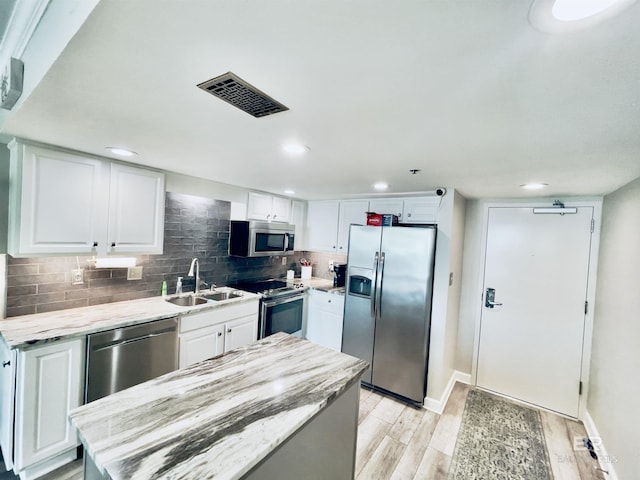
point(68, 203)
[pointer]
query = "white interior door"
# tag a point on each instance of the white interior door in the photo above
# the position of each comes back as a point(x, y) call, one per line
point(531, 345)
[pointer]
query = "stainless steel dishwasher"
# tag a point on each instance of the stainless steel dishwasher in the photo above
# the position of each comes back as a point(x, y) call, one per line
point(124, 357)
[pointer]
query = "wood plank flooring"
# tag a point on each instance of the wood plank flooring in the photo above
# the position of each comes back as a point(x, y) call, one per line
point(399, 442)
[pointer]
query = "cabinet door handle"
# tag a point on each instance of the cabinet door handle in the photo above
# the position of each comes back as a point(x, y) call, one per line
point(408, 214)
point(95, 244)
point(6, 364)
point(113, 244)
point(274, 216)
point(219, 334)
point(229, 331)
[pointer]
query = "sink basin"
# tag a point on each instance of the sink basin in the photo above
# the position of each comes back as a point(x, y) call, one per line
point(188, 301)
point(217, 296)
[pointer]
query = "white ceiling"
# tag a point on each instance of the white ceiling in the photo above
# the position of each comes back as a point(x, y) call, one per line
point(466, 91)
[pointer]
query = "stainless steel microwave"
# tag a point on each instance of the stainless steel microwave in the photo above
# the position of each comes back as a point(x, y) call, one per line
point(260, 239)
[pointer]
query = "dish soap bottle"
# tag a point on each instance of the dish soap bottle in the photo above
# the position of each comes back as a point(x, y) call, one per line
point(164, 288)
point(179, 286)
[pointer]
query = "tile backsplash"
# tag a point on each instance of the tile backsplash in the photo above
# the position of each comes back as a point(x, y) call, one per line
point(194, 227)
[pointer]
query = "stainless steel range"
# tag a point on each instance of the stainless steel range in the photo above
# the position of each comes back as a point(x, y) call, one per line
point(281, 306)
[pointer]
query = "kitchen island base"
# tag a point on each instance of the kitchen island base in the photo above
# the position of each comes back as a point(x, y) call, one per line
point(324, 448)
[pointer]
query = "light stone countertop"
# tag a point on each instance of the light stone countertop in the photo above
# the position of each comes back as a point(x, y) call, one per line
point(40, 328)
point(218, 418)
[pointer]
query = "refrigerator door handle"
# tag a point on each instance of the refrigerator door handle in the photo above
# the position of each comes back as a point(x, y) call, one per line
point(379, 276)
point(375, 279)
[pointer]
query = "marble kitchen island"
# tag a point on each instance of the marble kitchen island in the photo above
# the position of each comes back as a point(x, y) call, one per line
point(279, 408)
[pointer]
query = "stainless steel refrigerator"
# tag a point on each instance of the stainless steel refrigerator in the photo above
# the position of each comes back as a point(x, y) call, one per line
point(387, 313)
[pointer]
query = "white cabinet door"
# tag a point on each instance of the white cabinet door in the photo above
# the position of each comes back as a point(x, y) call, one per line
point(392, 206)
point(49, 384)
point(259, 206)
point(322, 225)
point(136, 210)
point(351, 212)
point(59, 202)
point(324, 321)
point(281, 209)
point(7, 395)
point(421, 210)
point(201, 344)
point(297, 218)
point(242, 331)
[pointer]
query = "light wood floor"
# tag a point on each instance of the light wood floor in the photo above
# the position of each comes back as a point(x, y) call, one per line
point(399, 442)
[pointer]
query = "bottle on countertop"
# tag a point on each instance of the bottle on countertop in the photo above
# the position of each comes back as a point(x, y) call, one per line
point(164, 288)
point(179, 286)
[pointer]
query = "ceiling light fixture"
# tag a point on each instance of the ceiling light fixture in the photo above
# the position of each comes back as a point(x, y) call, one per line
point(289, 192)
point(123, 152)
point(534, 186)
point(295, 148)
point(558, 16)
point(380, 186)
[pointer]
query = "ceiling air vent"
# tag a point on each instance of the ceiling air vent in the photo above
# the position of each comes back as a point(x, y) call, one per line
point(232, 89)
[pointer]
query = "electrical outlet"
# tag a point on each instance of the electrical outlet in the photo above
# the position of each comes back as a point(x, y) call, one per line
point(284, 260)
point(331, 265)
point(77, 276)
point(134, 273)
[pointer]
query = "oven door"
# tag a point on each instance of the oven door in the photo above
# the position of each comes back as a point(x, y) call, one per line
point(282, 314)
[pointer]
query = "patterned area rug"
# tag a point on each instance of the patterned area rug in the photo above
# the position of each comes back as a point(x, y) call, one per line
point(499, 440)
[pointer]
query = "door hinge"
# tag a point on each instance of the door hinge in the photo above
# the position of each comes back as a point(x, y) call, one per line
point(593, 225)
point(580, 388)
point(586, 307)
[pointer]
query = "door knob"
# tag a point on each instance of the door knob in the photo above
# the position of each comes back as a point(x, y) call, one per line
point(489, 298)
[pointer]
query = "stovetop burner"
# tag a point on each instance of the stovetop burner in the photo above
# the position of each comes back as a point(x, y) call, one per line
point(269, 288)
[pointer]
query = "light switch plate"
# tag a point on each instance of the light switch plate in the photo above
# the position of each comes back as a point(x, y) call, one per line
point(134, 273)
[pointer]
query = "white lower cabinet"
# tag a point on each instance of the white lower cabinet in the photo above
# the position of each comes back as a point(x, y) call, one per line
point(48, 385)
point(201, 344)
point(324, 319)
point(210, 333)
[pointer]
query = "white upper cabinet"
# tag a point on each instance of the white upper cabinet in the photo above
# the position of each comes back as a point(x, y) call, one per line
point(420, 210)
point(136, 210)
point(328, 223)
point(322, 225)
point(297, 218)
point(67, 203)
point(352, 212)
point(269, 208)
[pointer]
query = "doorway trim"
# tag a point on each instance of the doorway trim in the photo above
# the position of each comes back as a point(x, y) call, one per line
point(596, 204)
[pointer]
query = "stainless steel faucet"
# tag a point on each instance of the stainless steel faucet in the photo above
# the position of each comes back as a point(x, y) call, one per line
point(195, 263)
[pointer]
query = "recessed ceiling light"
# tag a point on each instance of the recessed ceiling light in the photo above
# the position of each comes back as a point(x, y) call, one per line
point(380, 186)
point(289, 192)
point(561, 16)
point(572, 10)
point(123, 152)
point(534, 186)
point(295, 148)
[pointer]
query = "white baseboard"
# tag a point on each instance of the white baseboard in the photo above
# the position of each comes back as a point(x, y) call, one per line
point(437, 405)
point(603, 456)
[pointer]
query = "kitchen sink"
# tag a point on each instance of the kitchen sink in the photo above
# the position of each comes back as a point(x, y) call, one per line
point(188, 301)
point(217, 296)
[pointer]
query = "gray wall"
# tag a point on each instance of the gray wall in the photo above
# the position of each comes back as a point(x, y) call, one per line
point(614, 389)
